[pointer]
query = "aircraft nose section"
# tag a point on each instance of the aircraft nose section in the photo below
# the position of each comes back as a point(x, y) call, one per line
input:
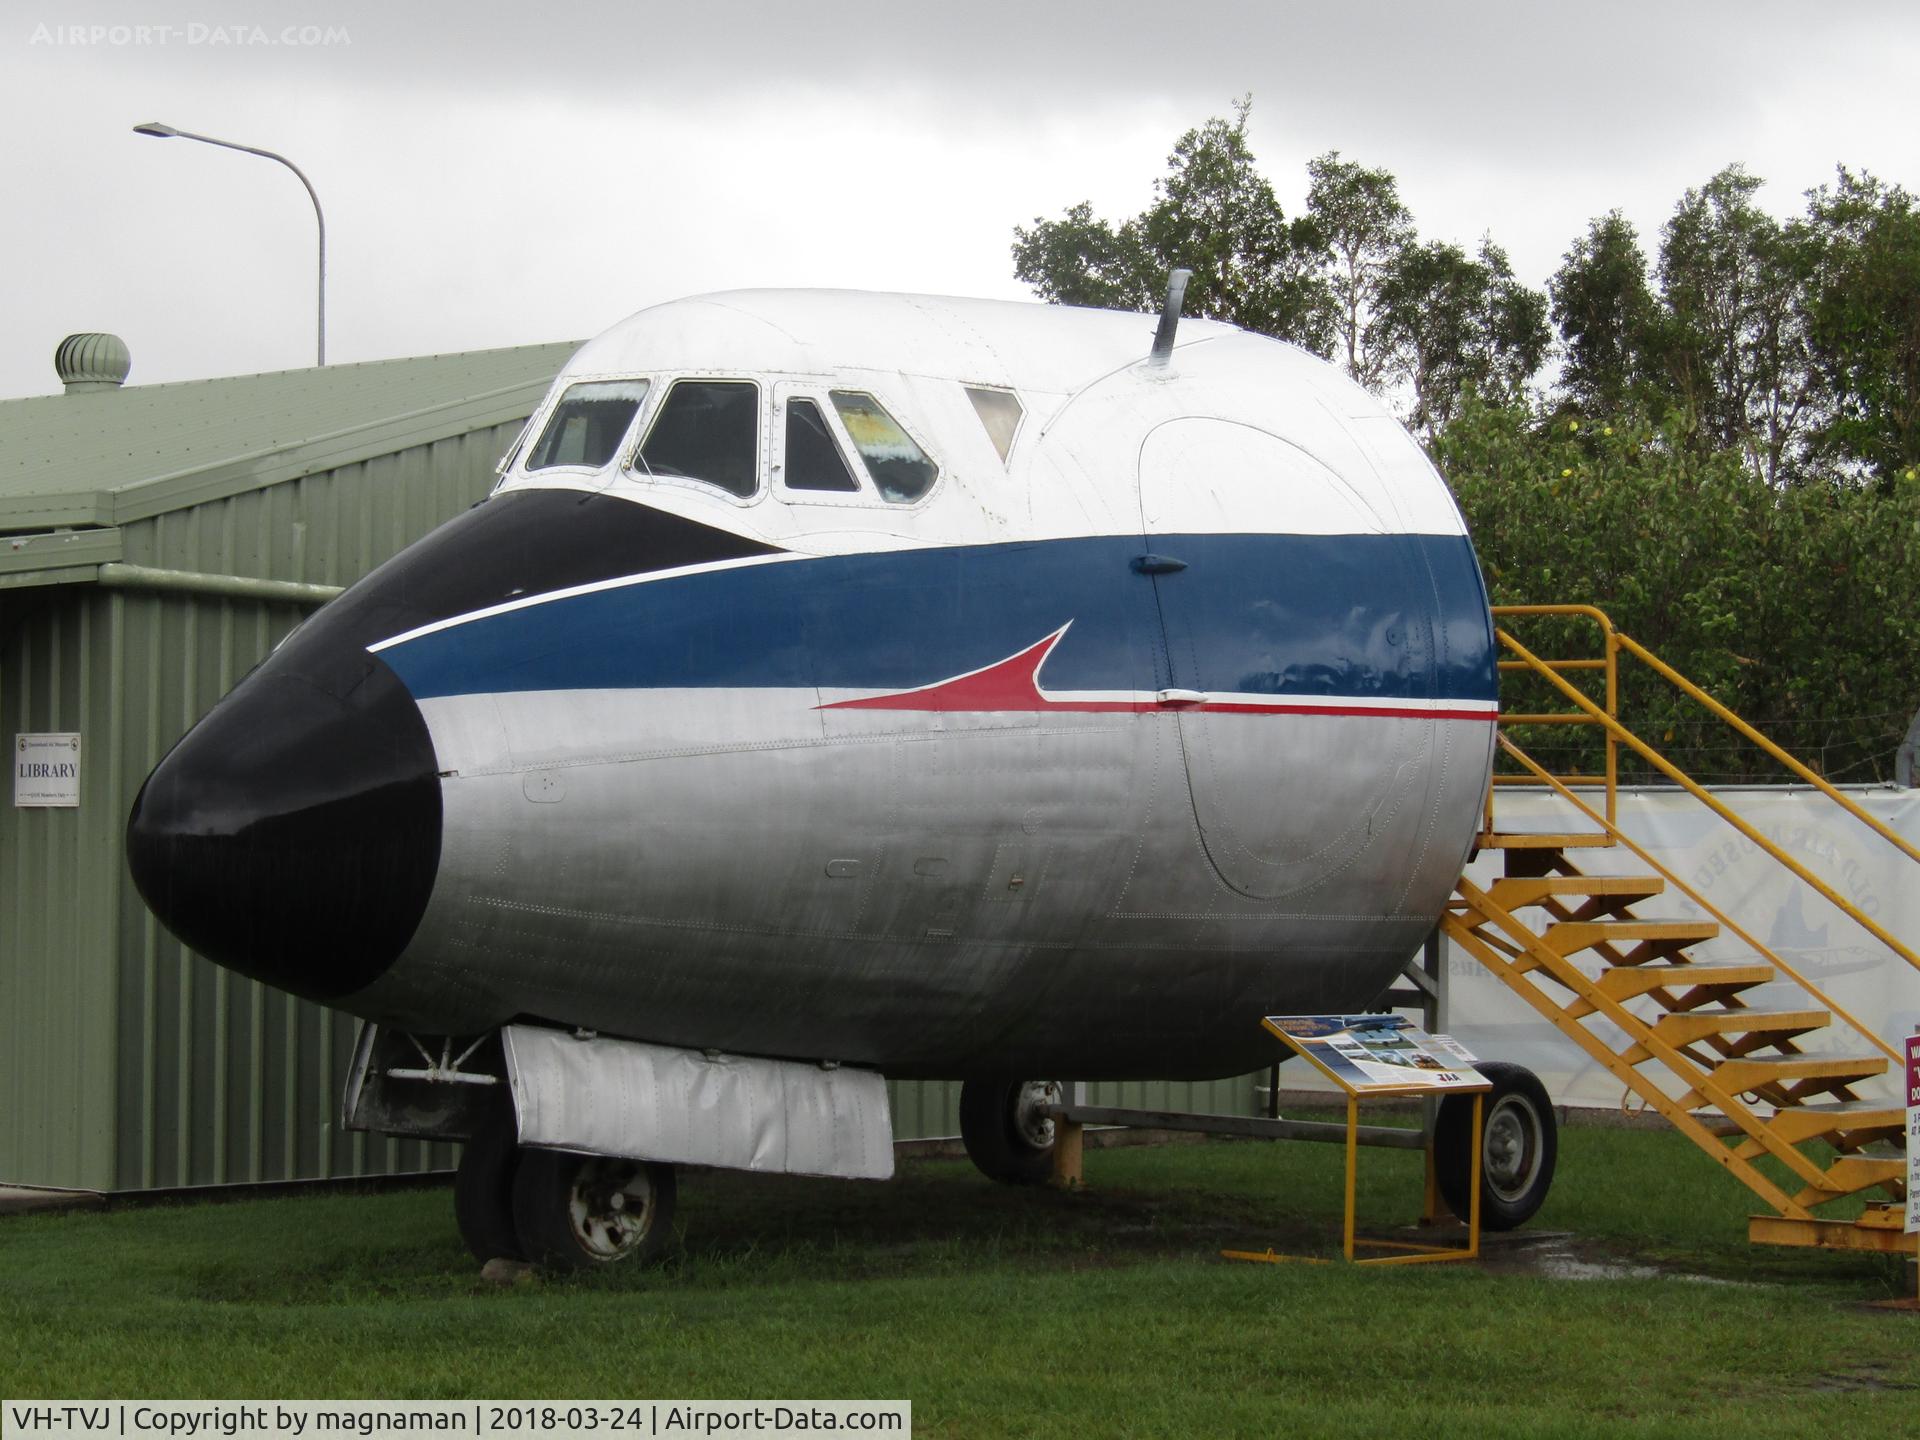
point(293, 835)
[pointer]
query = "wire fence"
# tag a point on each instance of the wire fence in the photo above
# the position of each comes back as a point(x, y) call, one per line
point(1855, 748)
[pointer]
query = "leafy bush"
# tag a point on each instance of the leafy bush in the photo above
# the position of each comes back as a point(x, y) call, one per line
point(1798, 607)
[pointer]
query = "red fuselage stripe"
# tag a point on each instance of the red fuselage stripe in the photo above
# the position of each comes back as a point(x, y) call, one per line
point(1012, 686)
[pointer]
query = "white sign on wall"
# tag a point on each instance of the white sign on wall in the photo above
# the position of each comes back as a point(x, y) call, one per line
point(46, 771)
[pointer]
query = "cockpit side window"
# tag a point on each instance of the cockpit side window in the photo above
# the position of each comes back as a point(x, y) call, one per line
point(513, 451)
point(707, 430)
point(814, 461)
point(899, 467)
point(999, 411)
point(587, 425)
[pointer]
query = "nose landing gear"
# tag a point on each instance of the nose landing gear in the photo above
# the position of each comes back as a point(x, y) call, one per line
point(483, 1190)
point(578, 1212)
point(556, 1208)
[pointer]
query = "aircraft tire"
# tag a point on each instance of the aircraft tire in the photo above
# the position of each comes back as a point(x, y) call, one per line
point(582, 1212)
point(483, 1189)
point(1520, 1142)
point(1006, 1138)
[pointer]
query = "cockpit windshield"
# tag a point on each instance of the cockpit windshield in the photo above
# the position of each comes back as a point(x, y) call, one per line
point(707, 430)
point(899, 467)
point(587, 425)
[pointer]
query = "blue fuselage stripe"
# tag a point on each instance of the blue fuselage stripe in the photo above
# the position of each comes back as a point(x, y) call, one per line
point(1386, 616)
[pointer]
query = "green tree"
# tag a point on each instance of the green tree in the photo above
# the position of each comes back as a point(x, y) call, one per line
point(1213, 213)
point(1346, 280)
point(1864, 305)
point(1364, 228)
point(1082, 260)
point(1605, 312)
point(1451, 323)
point(1732, 350)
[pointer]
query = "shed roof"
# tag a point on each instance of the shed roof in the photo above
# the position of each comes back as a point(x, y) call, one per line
point(110, 456)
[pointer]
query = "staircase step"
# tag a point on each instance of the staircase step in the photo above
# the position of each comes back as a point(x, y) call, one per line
point(1878, 1228)
point(1851, 1174)
point(1683, 1027)
point(1727, 1050)
point(1749, 1072)
point(1837, 1117)
point(1526, 840)
point(1656, 938)
point(1623, 982)
point(1516, 893)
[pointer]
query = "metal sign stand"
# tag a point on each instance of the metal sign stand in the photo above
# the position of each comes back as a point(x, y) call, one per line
point(1425, 990)
point(1358, 1085)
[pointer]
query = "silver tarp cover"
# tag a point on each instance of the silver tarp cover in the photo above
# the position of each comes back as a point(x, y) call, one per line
point(653, 1102)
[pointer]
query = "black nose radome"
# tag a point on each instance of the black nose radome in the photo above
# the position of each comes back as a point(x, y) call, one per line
point(293, 835)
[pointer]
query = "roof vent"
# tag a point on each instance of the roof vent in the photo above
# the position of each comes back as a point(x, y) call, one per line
point(92, 362)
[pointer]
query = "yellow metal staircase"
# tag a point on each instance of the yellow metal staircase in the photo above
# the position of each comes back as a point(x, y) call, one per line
point(1591, 953)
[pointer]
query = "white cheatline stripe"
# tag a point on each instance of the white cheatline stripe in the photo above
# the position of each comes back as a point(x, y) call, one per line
point(1347, 702)
point(528, 601)
point(1291, 702)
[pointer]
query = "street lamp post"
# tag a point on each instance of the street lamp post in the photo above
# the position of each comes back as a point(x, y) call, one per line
point(167, 132)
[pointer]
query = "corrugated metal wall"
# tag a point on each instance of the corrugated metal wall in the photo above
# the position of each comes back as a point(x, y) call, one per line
point(131, 1063)
point(57, 941)
point(223, 1080)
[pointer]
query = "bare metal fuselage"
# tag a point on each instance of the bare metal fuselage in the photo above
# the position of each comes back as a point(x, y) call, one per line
point(973, 898)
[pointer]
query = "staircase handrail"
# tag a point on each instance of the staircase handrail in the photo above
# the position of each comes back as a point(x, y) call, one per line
point(1615, 641)
point(1820, 783)
point(1609, 662)
point(1625, 736)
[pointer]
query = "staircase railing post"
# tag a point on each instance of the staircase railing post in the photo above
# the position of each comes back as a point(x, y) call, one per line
point(1612, 642)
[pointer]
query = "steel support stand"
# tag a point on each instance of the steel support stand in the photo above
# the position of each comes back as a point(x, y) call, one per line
point(1069, 1166)
point(1425, 988)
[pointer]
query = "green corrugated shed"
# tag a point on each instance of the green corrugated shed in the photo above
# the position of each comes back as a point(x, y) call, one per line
point(127, 1062)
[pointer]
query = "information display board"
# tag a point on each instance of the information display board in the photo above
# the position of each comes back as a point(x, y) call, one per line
point(1379, 1054)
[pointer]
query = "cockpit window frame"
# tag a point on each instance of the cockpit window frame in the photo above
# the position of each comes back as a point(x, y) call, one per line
point(771, 393)
point(634, 470)
point(815, 393)
point(514, 463)
point(877, 391)
point(972, 390)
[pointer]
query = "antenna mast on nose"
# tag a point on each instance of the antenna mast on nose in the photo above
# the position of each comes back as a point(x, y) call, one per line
point(1169, 317)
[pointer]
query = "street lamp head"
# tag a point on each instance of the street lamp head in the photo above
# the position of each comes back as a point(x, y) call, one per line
point(154, 127)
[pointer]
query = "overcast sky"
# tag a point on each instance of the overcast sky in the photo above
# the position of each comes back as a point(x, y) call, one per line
point(499, 174)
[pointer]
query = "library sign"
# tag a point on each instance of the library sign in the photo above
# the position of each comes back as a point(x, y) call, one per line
point(46, 771)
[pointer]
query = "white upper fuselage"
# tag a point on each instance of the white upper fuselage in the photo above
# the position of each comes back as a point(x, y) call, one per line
point(1090, 401)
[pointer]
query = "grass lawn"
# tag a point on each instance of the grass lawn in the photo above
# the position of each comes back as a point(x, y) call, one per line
point(1001, 1312)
